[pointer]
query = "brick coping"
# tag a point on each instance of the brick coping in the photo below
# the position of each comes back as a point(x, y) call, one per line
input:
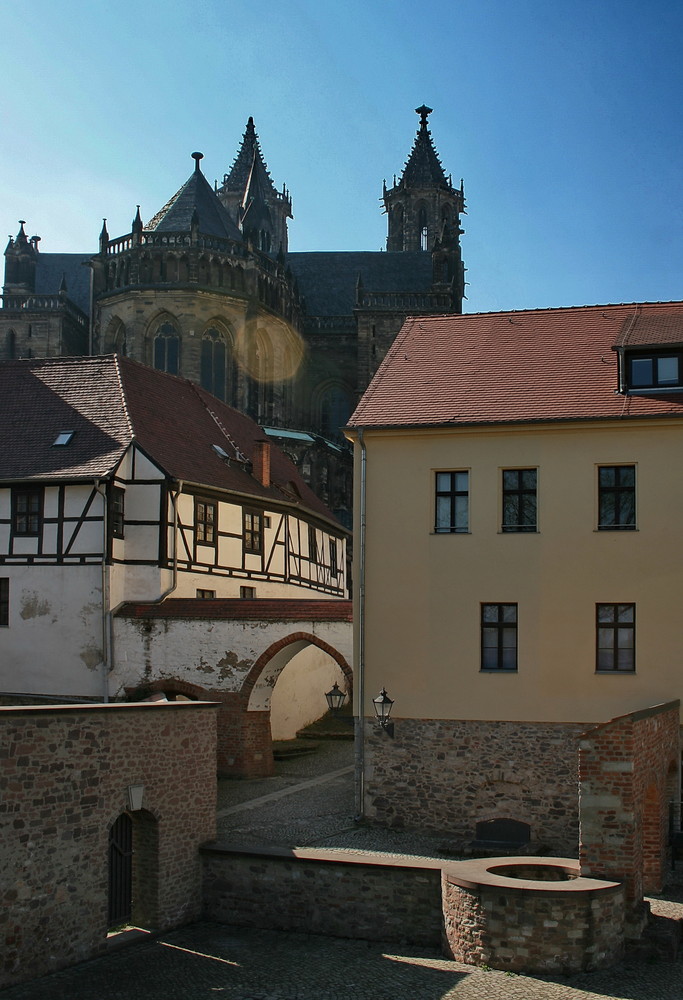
point(367, 858)
point(480, 874)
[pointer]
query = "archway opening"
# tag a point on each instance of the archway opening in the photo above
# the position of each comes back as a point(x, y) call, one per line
point(133, 847)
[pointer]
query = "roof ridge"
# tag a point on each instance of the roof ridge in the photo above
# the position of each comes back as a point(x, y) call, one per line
point(239, 454)
point(117, 369)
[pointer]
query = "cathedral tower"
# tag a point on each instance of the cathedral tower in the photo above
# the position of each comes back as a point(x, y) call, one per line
point(423, 206)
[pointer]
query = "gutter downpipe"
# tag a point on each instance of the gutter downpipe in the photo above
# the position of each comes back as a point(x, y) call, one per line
point(174, 579)
point(108, 614)
point(360, 746)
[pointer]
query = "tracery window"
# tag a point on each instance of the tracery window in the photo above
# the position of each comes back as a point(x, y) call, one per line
point(166, 348)
point(213, 362)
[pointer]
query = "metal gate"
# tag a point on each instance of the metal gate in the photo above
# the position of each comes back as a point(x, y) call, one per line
point(120, 870)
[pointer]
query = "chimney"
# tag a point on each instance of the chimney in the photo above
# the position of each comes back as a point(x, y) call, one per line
point(261, 461)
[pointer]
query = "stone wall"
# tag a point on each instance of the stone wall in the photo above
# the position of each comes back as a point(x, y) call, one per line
point(64, 774)
point(448, 775)
point(361, 895)
point(532, 924)
point(629, 773)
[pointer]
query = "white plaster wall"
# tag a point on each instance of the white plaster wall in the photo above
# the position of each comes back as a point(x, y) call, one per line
point(53, 644)
point(215, 654)
point(299, 694)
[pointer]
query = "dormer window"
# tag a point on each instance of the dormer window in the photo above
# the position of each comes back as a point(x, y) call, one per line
point(654, 370)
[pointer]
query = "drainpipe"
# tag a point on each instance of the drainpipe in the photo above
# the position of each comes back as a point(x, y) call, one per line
point(360, 744)
point(106, 632)
point(174, 579)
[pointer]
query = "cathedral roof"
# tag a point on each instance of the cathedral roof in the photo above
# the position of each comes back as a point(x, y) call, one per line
point(196, 195)
point(327, 280)
point(110, 402)
point(248, 155)
point(51, 268)
point(423, 167)
point(536, 365)
point(255, 211)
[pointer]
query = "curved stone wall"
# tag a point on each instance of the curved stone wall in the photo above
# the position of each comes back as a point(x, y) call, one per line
point(529, 914)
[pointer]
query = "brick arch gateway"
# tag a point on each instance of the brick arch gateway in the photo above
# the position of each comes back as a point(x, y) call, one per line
point(245, 739)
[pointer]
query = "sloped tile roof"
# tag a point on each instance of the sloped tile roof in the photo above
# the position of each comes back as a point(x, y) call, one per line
point(535, 365)
point(242, 610)
point(327, 280)
point(110, 401)
point(40, 398)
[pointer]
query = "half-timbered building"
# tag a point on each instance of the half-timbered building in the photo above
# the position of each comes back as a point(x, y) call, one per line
point(123, 487)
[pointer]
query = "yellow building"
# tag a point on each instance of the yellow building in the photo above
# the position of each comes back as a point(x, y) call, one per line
point(519, 568)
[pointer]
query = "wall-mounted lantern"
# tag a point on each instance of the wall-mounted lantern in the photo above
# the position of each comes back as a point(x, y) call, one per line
point(335, 698)
point(383, 705)
point(135, 793)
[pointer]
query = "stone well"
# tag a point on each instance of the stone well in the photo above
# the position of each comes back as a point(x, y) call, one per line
point(528, 914)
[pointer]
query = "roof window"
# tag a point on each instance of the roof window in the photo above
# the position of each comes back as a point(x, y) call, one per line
point(62, 439)
point(658, 369)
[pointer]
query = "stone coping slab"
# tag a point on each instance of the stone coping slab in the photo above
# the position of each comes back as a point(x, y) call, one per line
point(349, 857)
point(481, 874)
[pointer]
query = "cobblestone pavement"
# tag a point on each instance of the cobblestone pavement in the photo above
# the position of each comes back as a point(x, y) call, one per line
point(310, 802)
point(210, 960)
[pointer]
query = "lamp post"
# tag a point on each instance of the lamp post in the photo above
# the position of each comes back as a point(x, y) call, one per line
point(382, 704)
point(335, 698)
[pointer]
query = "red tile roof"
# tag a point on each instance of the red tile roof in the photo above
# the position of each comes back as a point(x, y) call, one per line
point(111, 401)
point(535, 365)
point(242, 610)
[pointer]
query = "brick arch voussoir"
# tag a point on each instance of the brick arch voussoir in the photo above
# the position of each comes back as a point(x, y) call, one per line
point(268, 654)
point(172, 684)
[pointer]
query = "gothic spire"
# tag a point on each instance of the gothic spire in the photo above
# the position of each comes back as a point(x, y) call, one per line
point(423, 166)
point(249, 195)
point(248, 155)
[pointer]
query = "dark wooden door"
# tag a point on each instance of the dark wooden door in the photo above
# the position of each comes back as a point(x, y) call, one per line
point(120, 870)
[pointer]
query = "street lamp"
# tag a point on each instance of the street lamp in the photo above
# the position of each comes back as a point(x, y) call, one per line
point(382, 704)
point(335, 698)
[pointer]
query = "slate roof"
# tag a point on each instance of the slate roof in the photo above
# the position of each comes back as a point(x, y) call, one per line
point(52, 267)
point(196, 193)
point(508, 367)
point(423, 167)
point(109, 401)
point(238, 176)
point(233, 609)
point(327, 280)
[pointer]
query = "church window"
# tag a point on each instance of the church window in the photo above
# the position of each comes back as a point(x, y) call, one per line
point(213, 359)
point(166, 349)
point(11, 342)
point(422, 227)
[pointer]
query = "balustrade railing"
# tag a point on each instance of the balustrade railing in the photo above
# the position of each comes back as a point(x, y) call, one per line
point(44, 303)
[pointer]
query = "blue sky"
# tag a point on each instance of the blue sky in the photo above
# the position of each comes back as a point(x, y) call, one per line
point(564, 119)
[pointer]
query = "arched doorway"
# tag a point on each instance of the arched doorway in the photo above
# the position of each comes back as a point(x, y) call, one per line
point(133, 861)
